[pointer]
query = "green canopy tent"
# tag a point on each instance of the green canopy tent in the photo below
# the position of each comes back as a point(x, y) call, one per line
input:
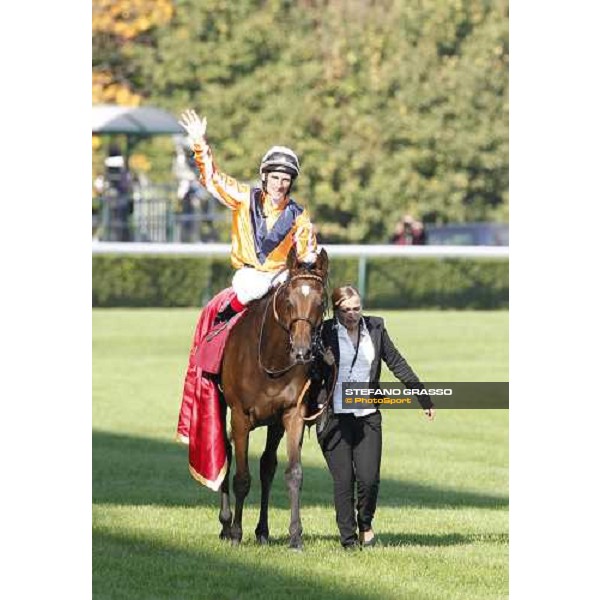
point(134, 122)
point(151, 215)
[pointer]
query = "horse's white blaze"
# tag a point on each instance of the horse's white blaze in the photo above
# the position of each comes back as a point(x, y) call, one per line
point(305, 289)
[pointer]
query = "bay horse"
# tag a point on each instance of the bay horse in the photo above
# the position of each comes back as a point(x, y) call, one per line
point(266, 364)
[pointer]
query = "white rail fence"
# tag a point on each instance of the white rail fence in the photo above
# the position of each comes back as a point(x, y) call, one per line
point(363, 253)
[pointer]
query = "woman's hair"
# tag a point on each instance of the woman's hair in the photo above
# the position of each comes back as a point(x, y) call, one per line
point(345, 292)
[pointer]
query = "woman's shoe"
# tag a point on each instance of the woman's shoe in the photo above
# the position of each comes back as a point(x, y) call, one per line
point(370, 542)
point(352, 546)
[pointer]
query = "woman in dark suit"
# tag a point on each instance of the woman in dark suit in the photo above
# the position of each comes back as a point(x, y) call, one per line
point(351, 438)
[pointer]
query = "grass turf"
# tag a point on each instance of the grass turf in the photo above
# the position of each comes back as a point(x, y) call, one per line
point(442, 515)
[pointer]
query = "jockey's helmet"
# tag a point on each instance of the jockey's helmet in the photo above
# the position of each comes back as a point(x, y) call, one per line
point(281, 159)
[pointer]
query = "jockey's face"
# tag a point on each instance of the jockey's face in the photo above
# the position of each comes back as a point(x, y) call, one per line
point(349, 312)
point(278, 185)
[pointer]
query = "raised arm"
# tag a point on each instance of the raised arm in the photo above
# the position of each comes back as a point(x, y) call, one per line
point(224, 188)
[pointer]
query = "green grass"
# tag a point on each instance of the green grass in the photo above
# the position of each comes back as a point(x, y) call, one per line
point(442, 515)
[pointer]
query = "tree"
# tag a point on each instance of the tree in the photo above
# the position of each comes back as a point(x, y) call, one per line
point(393, 107)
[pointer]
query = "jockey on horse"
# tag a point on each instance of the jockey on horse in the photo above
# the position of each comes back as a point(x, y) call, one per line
point(266, 221)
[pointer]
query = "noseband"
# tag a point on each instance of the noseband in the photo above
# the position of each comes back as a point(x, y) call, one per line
point(315, 331)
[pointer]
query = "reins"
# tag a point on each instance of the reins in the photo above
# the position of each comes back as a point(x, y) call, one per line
point(315, 331)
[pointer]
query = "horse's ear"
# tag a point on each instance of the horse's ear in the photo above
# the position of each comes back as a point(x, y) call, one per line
point(322, 263)
point(292, 259)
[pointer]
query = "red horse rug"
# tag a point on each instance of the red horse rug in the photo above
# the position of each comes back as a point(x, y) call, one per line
point(202, 414)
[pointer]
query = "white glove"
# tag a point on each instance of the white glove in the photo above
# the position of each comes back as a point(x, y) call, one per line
point(194, 125)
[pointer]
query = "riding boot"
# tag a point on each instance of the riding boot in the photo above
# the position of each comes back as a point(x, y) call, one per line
point(229, 311)
point(225, 314)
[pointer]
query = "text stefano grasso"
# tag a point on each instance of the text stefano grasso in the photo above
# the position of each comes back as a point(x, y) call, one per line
point(398, 392)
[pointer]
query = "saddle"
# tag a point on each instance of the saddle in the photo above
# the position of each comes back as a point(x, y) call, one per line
point(212, 339)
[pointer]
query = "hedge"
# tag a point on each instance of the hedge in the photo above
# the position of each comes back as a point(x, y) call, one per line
point(391, 282)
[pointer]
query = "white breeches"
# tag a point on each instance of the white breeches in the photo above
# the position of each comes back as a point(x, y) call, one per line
point(250, 284)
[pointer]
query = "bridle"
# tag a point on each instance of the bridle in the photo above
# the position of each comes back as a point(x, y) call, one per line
point(315, 330)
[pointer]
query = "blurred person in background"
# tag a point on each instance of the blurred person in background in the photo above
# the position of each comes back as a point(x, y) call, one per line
point(266, 222)
point(351, 438)
point(116, 188)
point(409, 232)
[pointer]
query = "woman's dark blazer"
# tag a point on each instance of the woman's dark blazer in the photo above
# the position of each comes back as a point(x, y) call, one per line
point(384, 350)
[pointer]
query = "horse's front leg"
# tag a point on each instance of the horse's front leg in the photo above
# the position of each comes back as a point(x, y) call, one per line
point(240, 430)
point(268, 466)
point(294, 428)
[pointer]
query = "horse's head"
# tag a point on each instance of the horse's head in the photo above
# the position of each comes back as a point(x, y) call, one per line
point(301, 304)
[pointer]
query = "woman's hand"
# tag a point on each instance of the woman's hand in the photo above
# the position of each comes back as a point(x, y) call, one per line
point(430, 413)
point(328, 357)
point(194, 125)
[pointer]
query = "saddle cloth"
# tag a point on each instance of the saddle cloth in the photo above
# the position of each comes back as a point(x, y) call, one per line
point(209, 352)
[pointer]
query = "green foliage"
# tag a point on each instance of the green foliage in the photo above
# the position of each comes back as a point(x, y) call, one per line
point(393, 107)
point(391, 283)
point(447, 283)
point(149, 281)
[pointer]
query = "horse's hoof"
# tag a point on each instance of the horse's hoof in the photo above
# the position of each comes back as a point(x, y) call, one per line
point(296, 545)
point(235, 542)
point(263, 540)
point(225, 535)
